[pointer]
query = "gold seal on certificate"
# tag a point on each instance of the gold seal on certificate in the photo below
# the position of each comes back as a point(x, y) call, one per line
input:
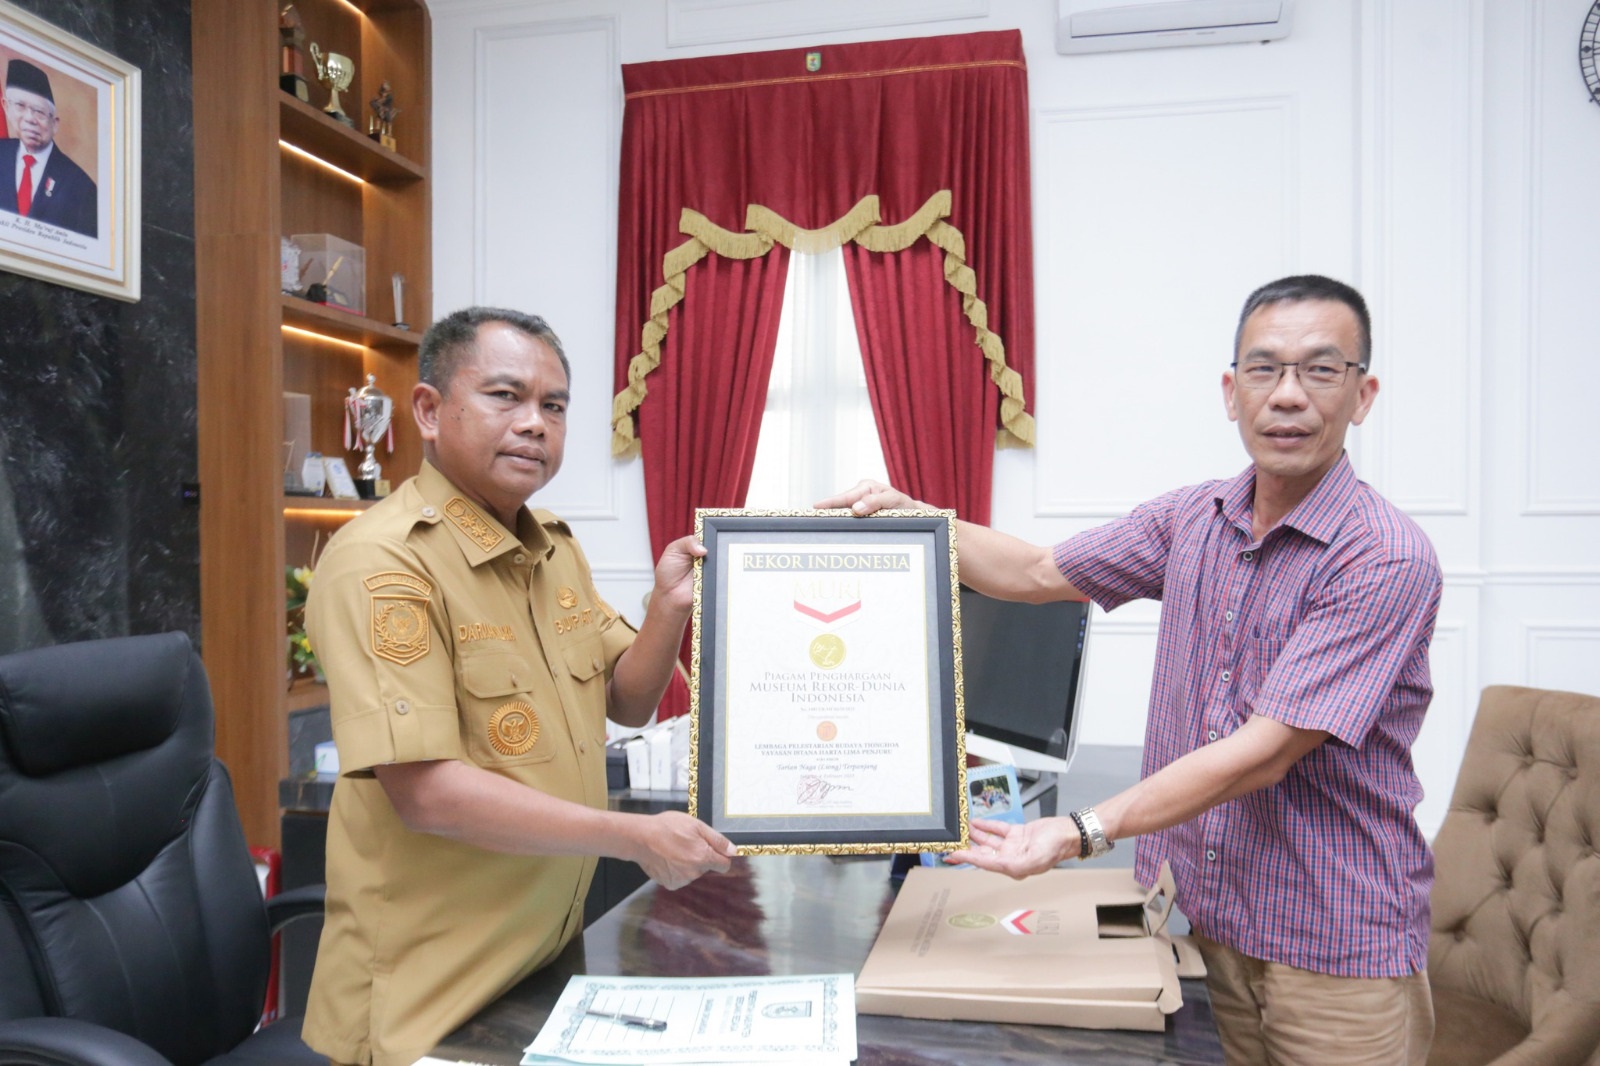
point(827, 651)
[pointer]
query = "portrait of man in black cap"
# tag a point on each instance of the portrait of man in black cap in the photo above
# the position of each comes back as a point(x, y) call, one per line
point(45, 185)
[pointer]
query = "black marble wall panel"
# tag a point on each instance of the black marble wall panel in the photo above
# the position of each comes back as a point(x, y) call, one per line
point(97, 396)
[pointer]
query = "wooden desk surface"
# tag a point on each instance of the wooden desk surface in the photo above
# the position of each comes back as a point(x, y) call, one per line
point(805, 914)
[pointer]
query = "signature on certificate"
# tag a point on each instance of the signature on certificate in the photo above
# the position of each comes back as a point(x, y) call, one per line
point(813, 790)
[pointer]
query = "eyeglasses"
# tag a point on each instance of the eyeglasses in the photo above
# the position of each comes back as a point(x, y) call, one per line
point(1313, 373)
point(38, 114)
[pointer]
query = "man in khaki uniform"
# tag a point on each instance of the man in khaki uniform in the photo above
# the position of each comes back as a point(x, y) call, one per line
point(471, 666)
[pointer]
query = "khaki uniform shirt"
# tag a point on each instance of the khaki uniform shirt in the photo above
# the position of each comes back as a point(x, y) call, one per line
point(445, 636)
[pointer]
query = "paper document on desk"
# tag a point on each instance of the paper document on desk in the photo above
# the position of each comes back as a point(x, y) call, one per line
point(810, 1018)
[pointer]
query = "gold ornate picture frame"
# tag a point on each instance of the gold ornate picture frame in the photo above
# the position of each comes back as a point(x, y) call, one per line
point(826, 691)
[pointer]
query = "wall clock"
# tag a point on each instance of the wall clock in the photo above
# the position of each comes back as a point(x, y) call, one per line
point(1589, 51)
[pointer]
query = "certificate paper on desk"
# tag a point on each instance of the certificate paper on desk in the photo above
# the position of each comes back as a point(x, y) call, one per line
point(809, 1018)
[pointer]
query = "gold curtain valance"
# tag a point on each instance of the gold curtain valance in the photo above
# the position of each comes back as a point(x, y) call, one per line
point(860, 224)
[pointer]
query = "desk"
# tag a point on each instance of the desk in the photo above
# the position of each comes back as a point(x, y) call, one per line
point(804, 914)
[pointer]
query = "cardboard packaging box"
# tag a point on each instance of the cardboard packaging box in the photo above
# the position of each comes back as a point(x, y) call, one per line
point(1086, 948)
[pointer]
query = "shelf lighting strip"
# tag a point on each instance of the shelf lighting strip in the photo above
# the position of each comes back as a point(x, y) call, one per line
point(321, 162)
point(323, 337)
point(318, 512)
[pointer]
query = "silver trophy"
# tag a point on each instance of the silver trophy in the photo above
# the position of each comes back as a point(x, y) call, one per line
point(368, 416)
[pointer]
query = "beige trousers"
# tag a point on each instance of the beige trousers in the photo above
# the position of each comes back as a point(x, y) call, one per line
point(1270, 1014)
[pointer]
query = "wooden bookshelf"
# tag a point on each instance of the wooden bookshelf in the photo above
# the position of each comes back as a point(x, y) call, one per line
point(255, 343)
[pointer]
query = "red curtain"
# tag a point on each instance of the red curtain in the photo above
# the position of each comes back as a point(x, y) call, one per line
point(807, 134)
point(703, 418)
point(936, 421)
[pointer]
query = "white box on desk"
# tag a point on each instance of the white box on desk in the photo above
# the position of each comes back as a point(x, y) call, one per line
point(638, 751)
point(660, 740)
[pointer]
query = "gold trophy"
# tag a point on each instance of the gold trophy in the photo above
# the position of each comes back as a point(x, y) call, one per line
point(336, 72)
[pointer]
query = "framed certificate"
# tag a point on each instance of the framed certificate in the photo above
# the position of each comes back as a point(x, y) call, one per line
point(826, 682)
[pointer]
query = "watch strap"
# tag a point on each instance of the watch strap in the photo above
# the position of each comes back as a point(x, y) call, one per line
point(1095, 841)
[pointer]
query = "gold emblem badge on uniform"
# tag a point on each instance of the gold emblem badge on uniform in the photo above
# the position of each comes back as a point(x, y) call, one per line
point(399, 628)
point(513, 728)
point(472, 524)
point(566, 598)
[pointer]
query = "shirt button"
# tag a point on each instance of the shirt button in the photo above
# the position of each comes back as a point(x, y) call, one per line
point(428, 512)
point(402, 706)
point(595, 662)
point(519, 558)
point(1227, 675)
point(1228, 616)
point(1211, 855)
point(583, 747)
point(1248, 556)
point(1211, 734)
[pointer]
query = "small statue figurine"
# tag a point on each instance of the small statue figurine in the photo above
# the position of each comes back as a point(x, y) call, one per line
point(380, 125)
point(292, 54)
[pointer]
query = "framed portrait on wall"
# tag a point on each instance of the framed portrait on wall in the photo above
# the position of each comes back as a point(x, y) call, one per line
point(69, 159)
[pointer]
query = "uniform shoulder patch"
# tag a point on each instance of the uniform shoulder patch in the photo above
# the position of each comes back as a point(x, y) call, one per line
point(400, 628)
point(470, 522)
point(399, 577)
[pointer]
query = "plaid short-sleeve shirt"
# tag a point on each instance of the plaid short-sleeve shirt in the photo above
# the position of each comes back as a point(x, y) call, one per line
point(1324, 624)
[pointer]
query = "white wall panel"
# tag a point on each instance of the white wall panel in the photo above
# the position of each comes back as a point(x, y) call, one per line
point(1540, 629)
point(1150, 335)
point(1563, 377)
point(1421, 234)
point(1565, 656)
point(545, 164)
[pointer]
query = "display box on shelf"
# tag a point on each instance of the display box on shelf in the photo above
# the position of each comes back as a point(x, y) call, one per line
point(296, 441)
point(333, 271)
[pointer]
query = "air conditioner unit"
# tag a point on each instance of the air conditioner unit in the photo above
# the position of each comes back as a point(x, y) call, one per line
point(1080, 28)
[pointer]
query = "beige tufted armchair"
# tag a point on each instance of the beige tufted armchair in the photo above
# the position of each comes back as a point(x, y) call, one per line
point(1514, 959)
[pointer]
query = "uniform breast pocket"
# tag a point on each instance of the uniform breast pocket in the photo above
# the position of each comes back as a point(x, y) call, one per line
point(586, 662)
point(500, 712)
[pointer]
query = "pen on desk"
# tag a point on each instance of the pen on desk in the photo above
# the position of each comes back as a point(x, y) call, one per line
point(655, 1025)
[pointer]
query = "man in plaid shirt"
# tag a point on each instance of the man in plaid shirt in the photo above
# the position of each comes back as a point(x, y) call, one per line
point(1291, 679)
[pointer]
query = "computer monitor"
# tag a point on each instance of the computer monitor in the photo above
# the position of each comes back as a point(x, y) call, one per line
point(1022, 674)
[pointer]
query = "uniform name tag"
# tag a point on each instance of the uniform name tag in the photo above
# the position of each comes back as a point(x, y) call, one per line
point(483, 631)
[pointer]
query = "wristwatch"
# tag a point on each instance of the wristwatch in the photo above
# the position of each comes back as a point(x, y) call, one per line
point(1091, 834)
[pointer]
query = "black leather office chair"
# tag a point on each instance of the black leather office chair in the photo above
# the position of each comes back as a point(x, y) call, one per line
point(132, 928)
